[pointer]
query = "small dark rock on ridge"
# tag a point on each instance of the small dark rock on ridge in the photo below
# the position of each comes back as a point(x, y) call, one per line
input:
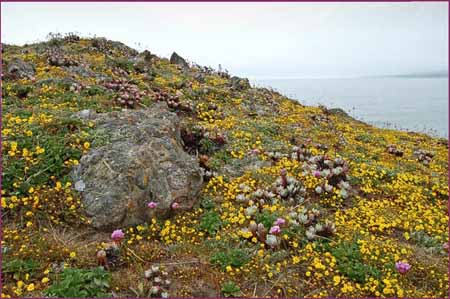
point(178, 60)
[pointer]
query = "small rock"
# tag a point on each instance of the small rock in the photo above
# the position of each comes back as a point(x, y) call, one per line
point(148, 273)
point(239, 83)
point(178, 60)
point(79, 186)
point(179, 93)
point(86, 114)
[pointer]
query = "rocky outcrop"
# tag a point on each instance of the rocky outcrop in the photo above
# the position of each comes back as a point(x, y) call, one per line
point(143, 162)
point(239, 83)
point(142, 63)
point(178, 60)
point(106, 46)
point(19, 69)
point(337, 111)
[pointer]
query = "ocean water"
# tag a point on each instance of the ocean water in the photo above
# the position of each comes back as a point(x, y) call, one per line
point(412, 104)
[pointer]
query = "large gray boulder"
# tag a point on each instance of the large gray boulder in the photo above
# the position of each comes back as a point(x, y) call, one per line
point(19, 69)
point(143, 161)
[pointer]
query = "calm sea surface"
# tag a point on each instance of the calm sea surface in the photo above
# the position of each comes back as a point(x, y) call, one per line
point(414, 104)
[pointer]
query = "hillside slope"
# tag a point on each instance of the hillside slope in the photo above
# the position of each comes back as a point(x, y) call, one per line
point(297, 201)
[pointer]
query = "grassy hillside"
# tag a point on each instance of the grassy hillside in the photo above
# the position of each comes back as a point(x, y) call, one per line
point(384, 201)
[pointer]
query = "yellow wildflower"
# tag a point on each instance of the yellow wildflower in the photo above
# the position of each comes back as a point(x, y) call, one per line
point(336, 280)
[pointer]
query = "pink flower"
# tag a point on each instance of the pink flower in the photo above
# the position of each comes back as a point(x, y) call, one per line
point(280, 222)
point(275, 230)
point(254, 151)
point(117, 235)
point(317, 174)
point(175, 205)
point(402, 267)
point(152, 205)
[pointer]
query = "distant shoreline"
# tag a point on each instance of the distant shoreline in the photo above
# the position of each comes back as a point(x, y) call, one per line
point(406, 76)
point(421, 76)
point(320, 92)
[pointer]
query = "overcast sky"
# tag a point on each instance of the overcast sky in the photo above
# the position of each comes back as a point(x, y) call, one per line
point(256, 39)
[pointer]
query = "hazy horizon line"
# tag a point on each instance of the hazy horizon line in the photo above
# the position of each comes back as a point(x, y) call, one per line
point(411, 76)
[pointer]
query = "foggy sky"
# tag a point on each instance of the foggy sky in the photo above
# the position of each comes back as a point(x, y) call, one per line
point(256, 39)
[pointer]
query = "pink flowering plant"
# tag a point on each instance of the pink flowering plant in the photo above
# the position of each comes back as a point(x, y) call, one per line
point(402, 267)
point(117, 236)
point(152, 205)
point(275, 230)
point(280, 222)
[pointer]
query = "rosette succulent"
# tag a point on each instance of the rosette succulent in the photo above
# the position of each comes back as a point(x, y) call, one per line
point(423, 157)
point(173, 101)
point(272, 240)
point(393, 150)
point(325, 230)
point(289, 189)
point(126, 94)
point(300, 153)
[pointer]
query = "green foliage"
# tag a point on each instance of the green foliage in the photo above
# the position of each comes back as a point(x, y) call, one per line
point(55, 39)
point(234, 257)
point(207, 203)
point(365, 138)
point(267, 129)
point(206, 145)
point(261, 177)
point(210, 222)
point(223, 155)
point(93, 90)
point(230, 289)
point(370, 137)
point(142, 290)
point(213, 244)
point(279, 256)
point(424, 240)
point(123, 63)
point(56, 139)
point(139, 291)
point(350, 262)
point(81, 283)
point(22, 91)
point(293, 231)
point(363, 150)
point(266, 218)
point(215, 163)
point(18, 267)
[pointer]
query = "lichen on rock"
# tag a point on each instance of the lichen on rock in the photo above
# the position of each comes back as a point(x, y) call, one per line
point(19, 69)
point(178, 60)
point(144, 161)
